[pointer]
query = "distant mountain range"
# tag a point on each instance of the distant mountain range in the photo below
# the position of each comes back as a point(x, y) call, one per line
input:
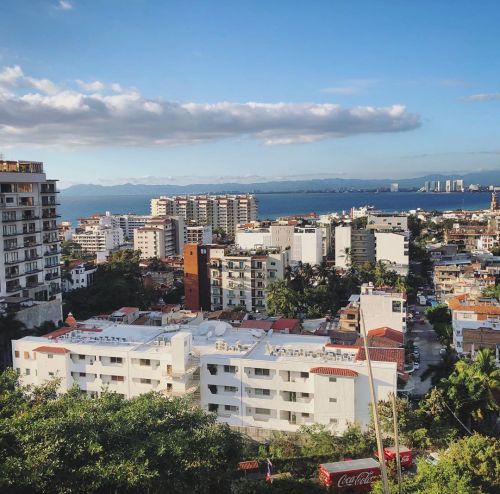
point(487, 177)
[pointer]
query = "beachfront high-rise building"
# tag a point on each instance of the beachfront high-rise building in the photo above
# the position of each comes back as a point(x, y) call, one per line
point(220, 211)
point(160, 237)
point(30, 258)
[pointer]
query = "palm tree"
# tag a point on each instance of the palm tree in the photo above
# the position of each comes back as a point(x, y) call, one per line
point(348, 256)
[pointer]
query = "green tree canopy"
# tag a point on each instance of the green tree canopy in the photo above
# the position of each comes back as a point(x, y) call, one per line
point(73, 443)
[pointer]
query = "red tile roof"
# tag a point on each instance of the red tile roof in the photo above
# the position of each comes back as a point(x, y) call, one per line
point(283, 323)
point(51, 349)
point(384, 355)
point(387, 332)
point(57, 333)
point(128, 310)
point(248, 465)
point(256, 324)
point(334, 371)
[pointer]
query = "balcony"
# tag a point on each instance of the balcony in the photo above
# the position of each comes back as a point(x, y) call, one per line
point(31, 232)
point(12, 289)
point(31, 244)
point(52, 276)
point(50, 228)
point(12, 247)
point(14, 261)
point(11, 276)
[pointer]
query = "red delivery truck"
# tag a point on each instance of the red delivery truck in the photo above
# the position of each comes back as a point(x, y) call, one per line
point(405, 454)
point(349, 476)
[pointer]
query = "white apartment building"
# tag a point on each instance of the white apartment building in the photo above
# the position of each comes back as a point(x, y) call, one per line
point(385, 222)
point(392, 248)
point(30, 246)
point(199, 234)
point(220, 211)
point(383, 308)
point(242, 278)
point(160, 237)
point(472, 313)
point(353, 246)
point(97, 238)
point(307, 245)
point(127, 222)
point(81, 276)
point(252, 380)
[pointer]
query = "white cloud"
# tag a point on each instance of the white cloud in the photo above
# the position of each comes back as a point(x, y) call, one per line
point(350, 87)
point(90, 86)
point(65, 5)
point(481, 97)
point(39, 112)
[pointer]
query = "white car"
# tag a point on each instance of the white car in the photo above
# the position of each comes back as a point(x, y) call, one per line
point(416, 365)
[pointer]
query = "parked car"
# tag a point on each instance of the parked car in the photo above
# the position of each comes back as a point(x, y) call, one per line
point(416, 365)
point(442, 351)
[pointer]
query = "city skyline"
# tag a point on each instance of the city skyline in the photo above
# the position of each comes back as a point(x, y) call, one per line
point(173, 92)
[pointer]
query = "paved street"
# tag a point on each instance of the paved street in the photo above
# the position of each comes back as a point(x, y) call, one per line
point(426, 341)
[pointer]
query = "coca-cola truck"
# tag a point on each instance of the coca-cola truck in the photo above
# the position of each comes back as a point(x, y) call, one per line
point(349, 476)
point(405, 454)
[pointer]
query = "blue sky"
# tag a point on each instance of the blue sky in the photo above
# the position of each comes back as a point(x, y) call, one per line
point(175, 92)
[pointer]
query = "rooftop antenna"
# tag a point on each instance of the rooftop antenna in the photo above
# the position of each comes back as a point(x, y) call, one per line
point(380, 447)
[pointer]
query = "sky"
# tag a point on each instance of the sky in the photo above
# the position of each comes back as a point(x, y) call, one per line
point(146, 91)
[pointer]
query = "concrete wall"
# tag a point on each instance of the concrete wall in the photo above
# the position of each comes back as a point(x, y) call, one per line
point(38, 314)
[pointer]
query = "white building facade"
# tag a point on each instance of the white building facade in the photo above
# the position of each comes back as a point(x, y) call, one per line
point(382, 308)
point(98, 238)
point(248, 378)
point(30, 246)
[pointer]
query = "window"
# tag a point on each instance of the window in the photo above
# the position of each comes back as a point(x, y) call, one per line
point(82, 374)
point(305, 375)
point(116, 360)
point(51, 374)
point(305, 414)
point(230, 369)
point(396, 306)
point(262, 392)
point(261, 372)
point(304, 395)
point(213, 407)
point(263, 411)
point(333, 379)
point(118, 378)
point(230, 408)
point(26, 355)
point(333, 400)
point(144, 361)
point(50, 355)
point(16, 353)
point(81, 357)
point(334, 421)
point(28, 372)
point(230, 389)
point(145, 381)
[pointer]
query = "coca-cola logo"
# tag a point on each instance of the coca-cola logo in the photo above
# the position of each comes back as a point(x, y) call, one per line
point(363, 478)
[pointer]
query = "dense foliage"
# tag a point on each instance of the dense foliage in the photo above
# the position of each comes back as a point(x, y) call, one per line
point(72, 443)
point(118, 283)
point(314, 291)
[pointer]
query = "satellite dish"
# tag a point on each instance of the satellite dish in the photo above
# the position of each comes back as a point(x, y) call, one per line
point(220, 329)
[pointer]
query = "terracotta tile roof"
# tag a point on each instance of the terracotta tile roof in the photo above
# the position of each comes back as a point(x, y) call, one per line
point(334, 371)
point(463, 302)
point(57, 333)
point(387, 332)
point(248, 465)
point(51, 349)
point(256, 324)
point(284, 323)
point(384, 355)
point(128, 310)
point(378, 342)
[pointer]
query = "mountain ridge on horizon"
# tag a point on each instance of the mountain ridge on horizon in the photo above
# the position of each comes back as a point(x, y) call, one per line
point(485, 177)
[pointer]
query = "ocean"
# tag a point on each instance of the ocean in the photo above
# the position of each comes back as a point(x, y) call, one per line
point(283, 204)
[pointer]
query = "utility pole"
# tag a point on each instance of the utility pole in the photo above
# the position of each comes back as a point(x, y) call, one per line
point(380, 447)
point(396, 439)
